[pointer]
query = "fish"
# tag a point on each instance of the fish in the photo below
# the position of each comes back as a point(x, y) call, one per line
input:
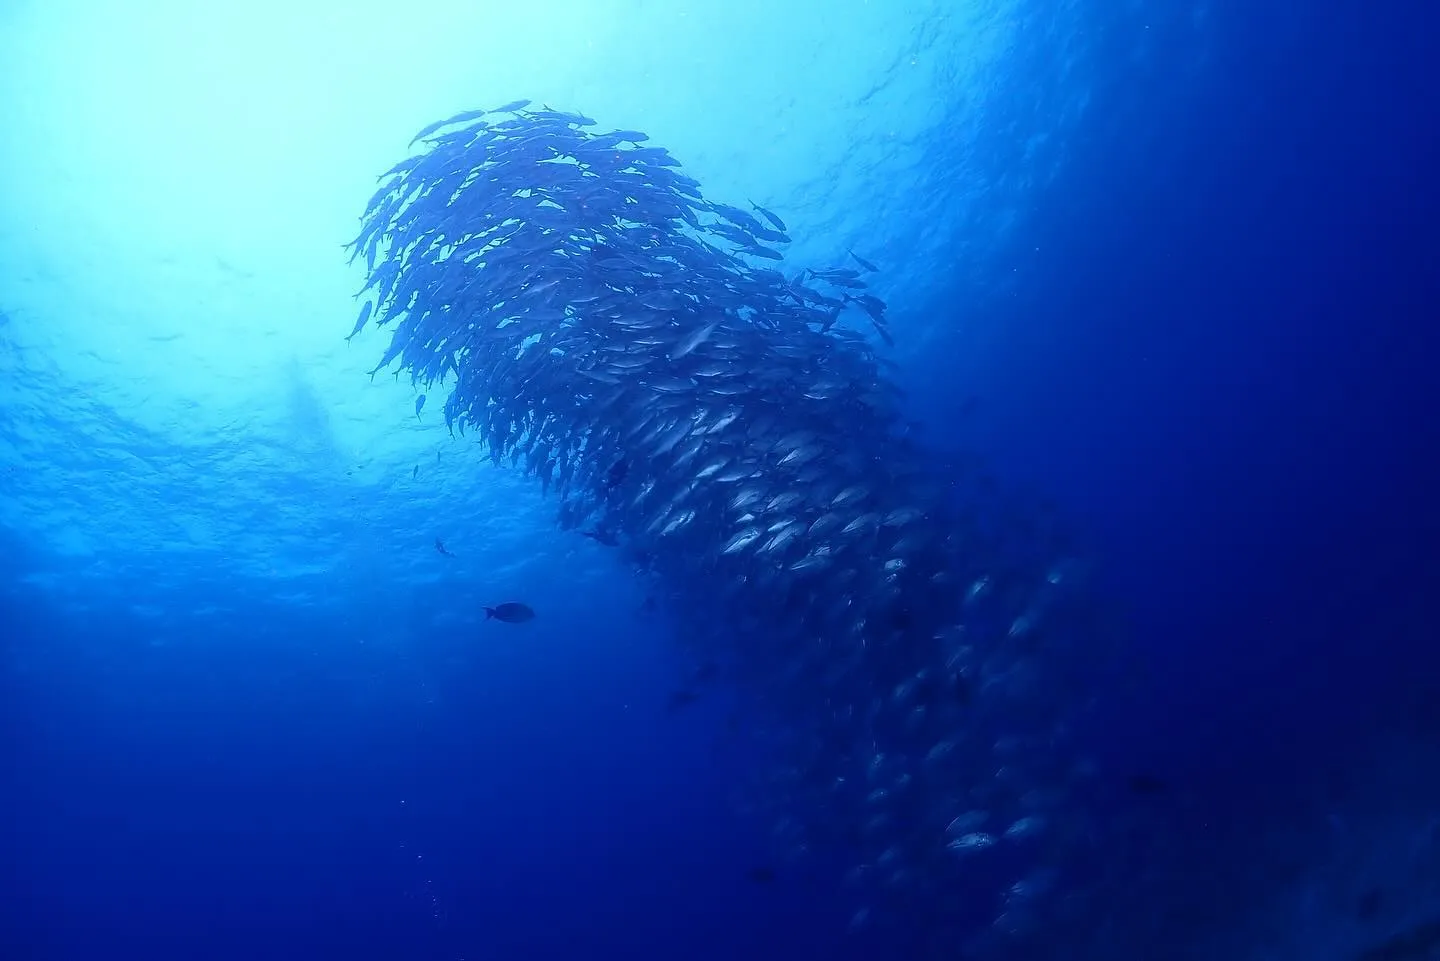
point(681, 698)
point(1368, 905)
point(688, 392)
point(419, 405)
point(578, 120)
point(510, 612)
point(360, 323)
point(693, 340)
point(511, 107)
point(1143, 783)
point(440, 547)
point(601, 536)
point(1416, 943)
point(617, 472)
point(775, 221)
point(459, 118)
point(863, 262)
point(761, 874)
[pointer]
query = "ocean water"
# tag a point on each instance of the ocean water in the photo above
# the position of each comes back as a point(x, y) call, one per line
point(1162, 281)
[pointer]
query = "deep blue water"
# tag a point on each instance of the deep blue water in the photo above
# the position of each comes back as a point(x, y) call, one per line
point(1172, 274)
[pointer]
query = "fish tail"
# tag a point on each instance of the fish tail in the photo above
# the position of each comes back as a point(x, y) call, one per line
point(489, 613)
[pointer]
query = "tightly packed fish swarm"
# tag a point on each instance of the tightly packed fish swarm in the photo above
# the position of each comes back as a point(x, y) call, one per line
point(637, 349)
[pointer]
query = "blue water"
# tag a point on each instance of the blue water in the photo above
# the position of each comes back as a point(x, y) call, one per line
point(1170, 272)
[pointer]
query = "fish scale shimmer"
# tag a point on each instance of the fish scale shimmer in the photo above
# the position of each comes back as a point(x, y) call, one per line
point(636, 349)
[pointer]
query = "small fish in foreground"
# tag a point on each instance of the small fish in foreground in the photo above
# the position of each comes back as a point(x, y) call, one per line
point(863, 262)
point(680, 699)
point(511, 612)
point(440, 546)
point(360, 324)
point(769, 215)
point(1144, 783)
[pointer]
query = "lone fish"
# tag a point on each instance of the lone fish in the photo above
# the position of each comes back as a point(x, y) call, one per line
point(511, 612)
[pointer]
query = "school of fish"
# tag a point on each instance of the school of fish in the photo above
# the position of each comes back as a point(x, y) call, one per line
point(728, 424)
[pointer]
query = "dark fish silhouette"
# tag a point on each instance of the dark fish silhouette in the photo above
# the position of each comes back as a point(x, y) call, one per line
point(419, 405)
point(1414, 944)
point(681, 698)
point(415, 472)
point(601, 536)
point(1147, 784)
point(440, 546)
point(775, 221)
point(360, 324)
point(863, 262)
point(464, 117)
point(511, 612)
point(1369, 904)
point(616, 473)
point(761, 874)
point(726, 415)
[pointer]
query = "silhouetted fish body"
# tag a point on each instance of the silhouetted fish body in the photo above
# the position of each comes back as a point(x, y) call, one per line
point(510, 612)
point(608, 331)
